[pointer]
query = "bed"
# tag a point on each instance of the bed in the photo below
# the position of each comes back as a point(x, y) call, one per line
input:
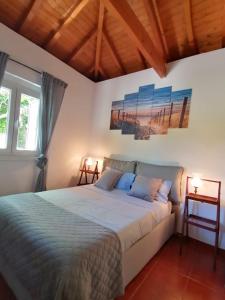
point(119, 235)
point(131, 218)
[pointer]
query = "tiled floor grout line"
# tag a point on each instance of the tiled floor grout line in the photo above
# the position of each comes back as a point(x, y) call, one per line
point(204, 285)
point(185, 288)
point(190, 276)
point(145, 277)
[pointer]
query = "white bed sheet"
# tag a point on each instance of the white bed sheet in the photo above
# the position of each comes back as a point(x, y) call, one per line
point(131, 218)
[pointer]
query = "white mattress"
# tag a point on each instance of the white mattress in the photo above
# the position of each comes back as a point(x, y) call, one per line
point(131, 218)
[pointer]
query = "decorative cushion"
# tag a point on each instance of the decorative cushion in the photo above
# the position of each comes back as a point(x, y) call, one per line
point(171, 173)
point(145, 188)
point(123, 166)
point(108, 179)
point(164, 190)
point(125, 181)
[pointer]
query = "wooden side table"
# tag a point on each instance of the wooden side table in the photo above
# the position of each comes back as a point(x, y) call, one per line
point(86, 171)
point(204, 223)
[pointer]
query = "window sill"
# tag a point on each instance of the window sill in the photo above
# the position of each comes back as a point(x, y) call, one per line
point(18, 157)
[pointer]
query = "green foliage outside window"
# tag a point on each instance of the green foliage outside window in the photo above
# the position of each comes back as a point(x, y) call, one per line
point(4, 98)
point(23, 121)
point(3, 111)
point(27, 118)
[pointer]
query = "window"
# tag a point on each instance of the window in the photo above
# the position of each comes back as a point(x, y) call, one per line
point(19, 113)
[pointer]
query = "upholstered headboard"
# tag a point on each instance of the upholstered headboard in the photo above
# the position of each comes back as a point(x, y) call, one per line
point(122, 165)
point(172, 173)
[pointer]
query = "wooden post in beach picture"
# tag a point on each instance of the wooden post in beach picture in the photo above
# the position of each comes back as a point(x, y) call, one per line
point(112, 111)
point(171, 111)
point(164, 112)
point(183, 112)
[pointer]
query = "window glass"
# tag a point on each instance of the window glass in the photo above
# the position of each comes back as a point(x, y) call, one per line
point(5, 96)
point(28, 123)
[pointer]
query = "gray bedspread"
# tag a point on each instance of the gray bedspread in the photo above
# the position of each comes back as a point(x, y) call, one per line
point(56, 254)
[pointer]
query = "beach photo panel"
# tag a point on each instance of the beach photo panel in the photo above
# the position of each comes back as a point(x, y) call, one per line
point(116, 115)
point(130, 113)
point(180, 108)
point(151, 111)
point(144, 107)
point(161, 110)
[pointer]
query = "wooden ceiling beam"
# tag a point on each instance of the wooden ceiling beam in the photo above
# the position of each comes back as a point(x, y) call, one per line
point(99, 38)
point(156, 34)
point(103, 72)
point(113, 52)
point(71, 15)
point(137, 33)
point(143, 61)
point(92, 70)
point(29, 14)
point(223, 27)
point(189, 25)
point(154, 6)
point(77, 50)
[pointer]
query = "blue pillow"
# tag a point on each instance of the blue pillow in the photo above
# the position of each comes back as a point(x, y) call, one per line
point(126, 181)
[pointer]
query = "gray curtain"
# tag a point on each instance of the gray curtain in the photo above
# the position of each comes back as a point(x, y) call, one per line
point(52, 92)
point(3, 61)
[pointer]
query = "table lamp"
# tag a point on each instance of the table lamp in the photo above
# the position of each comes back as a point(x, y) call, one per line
point(196, 182)
point(89, 162)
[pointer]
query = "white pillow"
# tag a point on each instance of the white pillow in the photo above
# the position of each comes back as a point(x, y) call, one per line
point(164, 190)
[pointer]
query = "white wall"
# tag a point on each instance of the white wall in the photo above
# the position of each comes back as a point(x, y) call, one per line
point(200, 148)
point(69, 142)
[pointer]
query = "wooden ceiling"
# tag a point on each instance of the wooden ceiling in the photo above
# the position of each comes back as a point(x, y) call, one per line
point(107, 38)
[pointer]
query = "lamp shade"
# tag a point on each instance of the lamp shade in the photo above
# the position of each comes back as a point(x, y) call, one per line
point(196, 181)
point(89, 161)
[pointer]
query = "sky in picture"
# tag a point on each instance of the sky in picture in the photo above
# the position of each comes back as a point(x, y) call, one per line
point(179, 95)
point(117, 105)
point(130, 103)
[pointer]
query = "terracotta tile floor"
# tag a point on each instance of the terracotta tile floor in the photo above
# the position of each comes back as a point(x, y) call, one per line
point(169, 276)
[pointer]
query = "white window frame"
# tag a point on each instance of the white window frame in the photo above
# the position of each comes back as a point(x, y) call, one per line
point(18, 87)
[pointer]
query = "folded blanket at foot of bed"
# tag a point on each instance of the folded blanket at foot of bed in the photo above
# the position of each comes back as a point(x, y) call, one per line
point(58, 255)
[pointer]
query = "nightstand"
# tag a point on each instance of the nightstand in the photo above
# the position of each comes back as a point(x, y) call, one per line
point(204, 223)
point(85, 170)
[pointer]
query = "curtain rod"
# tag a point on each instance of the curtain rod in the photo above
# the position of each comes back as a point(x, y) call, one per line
point(17, 62)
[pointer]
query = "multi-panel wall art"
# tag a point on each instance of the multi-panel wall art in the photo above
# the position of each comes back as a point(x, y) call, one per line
point(151, 111)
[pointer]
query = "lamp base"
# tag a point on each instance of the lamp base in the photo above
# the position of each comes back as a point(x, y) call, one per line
point(196, 189)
